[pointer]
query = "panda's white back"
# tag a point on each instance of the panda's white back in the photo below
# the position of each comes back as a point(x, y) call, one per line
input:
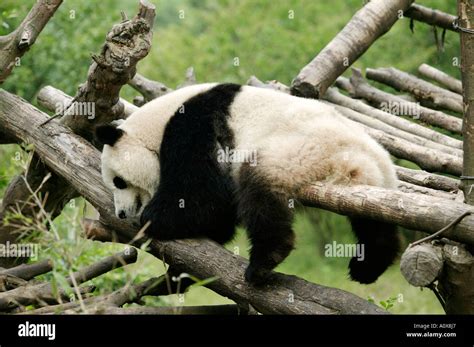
point(299, 141)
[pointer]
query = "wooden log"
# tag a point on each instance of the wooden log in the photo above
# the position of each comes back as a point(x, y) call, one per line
point(365, 27)
point(15, 44)
point(431, 16)
point(422, 264)
point(382, 99)
point(336, 97)
point(466, 20)
point(426, 179)
point(388, 129)
point(426, 93)
point(455, 282)
point(441, 77)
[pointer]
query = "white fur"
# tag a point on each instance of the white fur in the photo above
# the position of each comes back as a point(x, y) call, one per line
point(297, 141)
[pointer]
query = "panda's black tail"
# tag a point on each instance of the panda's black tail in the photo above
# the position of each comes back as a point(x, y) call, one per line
point(381, 245)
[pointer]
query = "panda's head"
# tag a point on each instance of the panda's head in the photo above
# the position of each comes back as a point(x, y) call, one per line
point(129, 169)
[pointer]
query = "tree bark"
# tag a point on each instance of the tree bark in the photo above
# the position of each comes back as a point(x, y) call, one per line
point(466, 20)
point(430, 16)
point(426, 93)
point(380, 98)
point(365, 27)
point(15, 44)
point(441, 77)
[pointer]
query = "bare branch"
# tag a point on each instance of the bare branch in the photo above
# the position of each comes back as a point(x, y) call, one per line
point(15, 44)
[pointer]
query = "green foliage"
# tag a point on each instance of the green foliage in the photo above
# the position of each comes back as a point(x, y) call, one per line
point(272, 40)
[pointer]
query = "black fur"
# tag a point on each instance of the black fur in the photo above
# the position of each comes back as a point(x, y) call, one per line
point(108, 134)
point(191, 175)
point(268, 219)
point(381, 247)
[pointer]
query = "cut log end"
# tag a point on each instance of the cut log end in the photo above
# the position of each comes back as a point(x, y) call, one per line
point(421, 264)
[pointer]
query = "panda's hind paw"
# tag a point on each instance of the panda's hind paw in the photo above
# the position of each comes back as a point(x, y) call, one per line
point(257, 276)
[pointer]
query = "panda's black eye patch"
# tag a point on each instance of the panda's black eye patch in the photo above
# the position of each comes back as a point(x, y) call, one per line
point(119, 183)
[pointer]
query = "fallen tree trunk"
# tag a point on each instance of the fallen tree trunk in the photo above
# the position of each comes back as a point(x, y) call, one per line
point(425, 92)
point(335, 97)
point(430, 16)
point(365, 27)
point(15, 44)
point(383, 100)
point(441, 77)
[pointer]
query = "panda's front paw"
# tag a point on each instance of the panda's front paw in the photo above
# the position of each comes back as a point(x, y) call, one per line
point(257, 276)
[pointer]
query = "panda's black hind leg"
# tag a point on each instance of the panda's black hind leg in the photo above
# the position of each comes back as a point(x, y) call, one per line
point(381, 246)
point(267, 218)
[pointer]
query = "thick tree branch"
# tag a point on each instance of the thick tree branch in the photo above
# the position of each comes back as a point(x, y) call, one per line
point(148, 88)
point(366, 26)
point(15, 44)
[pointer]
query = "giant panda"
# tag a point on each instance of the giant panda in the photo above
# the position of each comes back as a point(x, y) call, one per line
point(164, 164)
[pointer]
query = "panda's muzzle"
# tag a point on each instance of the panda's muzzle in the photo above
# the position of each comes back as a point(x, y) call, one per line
point(122, 214)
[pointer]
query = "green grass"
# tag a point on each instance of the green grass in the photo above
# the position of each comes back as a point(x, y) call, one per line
point(272, 40)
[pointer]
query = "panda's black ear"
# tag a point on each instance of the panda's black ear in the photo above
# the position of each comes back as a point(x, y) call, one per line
point(108, 134)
